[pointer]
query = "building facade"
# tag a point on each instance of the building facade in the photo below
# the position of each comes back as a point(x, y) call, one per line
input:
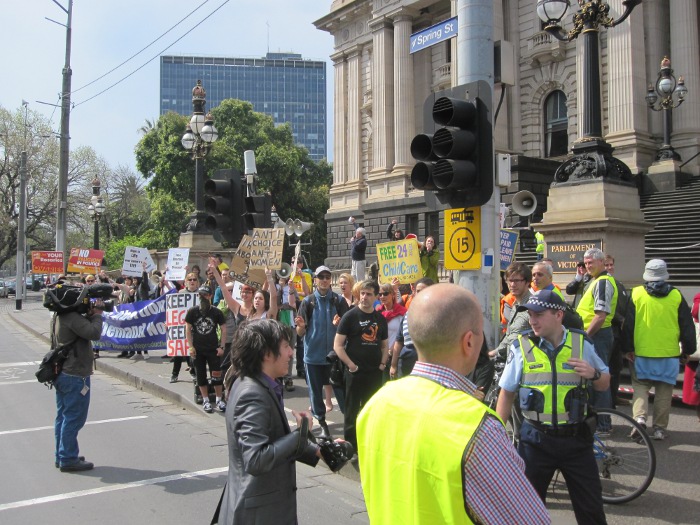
point(380, 89)
point(282, 85)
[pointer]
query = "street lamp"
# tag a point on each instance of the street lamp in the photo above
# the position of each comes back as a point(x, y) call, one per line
point(672, 95)
point(592, 155)
point(95, 210)
point(200, 134)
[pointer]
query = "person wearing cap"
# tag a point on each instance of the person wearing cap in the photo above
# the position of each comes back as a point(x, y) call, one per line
point(662, 320)
point(358, 246)
point(551, 368)
point(303, 284)
point(205, 347)
point(316, 323)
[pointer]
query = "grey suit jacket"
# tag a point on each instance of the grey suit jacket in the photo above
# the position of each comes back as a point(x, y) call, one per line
point(261, 487)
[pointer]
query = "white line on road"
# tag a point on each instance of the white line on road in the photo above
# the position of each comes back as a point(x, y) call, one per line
point(23, 363)
point(111, 488)
point(117, 420)
point(294, 421)
point(17, 382)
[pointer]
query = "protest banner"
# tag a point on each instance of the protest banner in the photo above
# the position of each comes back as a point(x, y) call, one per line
point(176, 306)
point(240, 266)
point(83, 260)
point(134, 258)
point(177, 260)
point(266, 246)
point(135, 326)
point(399, 259)
point(47, 262)
point(509, 240)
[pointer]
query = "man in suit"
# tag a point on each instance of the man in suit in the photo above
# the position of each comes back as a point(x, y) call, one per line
point(261, 486)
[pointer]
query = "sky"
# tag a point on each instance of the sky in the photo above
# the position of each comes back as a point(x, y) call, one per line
point(107, 32)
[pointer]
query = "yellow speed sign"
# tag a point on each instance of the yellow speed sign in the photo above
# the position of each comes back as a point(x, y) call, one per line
point(463, 238)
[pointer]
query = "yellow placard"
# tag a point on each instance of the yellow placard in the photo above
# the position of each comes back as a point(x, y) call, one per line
point(463, 238)
point(399, 259)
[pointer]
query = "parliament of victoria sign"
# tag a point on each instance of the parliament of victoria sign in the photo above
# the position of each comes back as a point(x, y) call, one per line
point(566, 255)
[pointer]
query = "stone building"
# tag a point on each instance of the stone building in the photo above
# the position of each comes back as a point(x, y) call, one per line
point(380, 89)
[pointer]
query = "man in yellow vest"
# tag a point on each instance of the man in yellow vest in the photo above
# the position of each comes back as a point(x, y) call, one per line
point(539, 248)
point(662, 320)
point(429, 452)
point(597, 309)
point(551, 370)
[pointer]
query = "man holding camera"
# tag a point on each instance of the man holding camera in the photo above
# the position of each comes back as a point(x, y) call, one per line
point(73, 383)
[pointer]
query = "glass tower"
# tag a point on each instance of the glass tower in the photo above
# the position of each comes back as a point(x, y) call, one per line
point(282, 85)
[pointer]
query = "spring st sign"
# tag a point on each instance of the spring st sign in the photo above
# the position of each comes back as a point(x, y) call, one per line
point(433, 35)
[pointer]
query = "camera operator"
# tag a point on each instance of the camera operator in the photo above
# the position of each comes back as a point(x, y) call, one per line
point(73, 383)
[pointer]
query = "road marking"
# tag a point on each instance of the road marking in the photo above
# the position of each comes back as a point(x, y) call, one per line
point(116, 420)
point(294, 421)
point(17, 382)
point(111, 488)
point(23, 363)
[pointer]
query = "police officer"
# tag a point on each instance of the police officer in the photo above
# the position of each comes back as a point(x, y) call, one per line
point(552, 368)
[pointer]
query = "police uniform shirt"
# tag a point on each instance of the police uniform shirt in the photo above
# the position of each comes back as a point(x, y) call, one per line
point(512, 375)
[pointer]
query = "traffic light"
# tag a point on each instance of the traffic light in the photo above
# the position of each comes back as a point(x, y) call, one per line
point(455, 154)
point(258, 209)
point(224, 206)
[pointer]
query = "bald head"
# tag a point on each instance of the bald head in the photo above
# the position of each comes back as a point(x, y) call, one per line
point(441, 316)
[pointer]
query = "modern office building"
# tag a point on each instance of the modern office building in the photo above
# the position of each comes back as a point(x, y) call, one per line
point(285, 86)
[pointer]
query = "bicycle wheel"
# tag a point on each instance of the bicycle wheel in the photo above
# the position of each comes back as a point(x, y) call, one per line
point(625, 456)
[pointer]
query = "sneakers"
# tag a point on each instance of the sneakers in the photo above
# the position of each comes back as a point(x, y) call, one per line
point(221, 406)
point(635, 435)
point(289, 384)
point(206, 406)
point(145, 355)
point(77, 467)
point(659, 434)
point(173, 379)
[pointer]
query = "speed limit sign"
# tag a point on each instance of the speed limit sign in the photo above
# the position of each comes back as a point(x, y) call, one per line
point(463, 238)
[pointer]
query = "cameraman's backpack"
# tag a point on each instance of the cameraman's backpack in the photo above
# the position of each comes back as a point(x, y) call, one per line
point(52, 364)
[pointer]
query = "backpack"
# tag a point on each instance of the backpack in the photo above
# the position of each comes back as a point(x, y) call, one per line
point(311, 305)
point(52, 364)
point(572, 319)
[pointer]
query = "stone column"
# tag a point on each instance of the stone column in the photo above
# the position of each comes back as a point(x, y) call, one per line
point(404, 118)
point(382, 96)
point(340, 174)
point(353, 136)
point(685, 47)
point(656, 47)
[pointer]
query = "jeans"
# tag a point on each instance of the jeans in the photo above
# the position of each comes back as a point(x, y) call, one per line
point(71, 413)
point(316, 377)
point(603, 341)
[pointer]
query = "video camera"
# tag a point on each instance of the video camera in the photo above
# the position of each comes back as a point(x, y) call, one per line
point(65, 298)
point(335, 454)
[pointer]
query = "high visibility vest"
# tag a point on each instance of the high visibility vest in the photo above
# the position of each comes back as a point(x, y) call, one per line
point(507, 302)
point(550, 377)
point(585, 307)
point(412, 436)
point(539, 237)
point(656, 330)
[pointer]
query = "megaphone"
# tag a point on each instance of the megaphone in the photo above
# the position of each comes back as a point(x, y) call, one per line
point(524, 203)
point(289, 227)
point(300, 227)
point(285, 271)
point(279, 223)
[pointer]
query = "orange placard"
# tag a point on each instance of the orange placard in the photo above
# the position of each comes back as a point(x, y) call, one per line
point(85, 260)
point(47, 262)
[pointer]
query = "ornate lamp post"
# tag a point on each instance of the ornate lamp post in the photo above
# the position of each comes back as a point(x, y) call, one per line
point(199, 135)
point(672, 95)
point(95, 210)
point(592, 154)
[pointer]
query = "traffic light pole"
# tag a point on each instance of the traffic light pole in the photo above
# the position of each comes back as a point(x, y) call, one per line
point(475, 62)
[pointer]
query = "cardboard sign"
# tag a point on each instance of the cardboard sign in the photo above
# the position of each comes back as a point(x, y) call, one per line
point(509, 241)
point(240, 266)
point(177, 260)
point(47, 262)
point(399, 259)
point(266, 248)
point(83, 260)
point(134, 258)
point(176, 307)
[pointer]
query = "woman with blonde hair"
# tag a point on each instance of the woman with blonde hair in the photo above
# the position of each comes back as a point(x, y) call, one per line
point(346, 282)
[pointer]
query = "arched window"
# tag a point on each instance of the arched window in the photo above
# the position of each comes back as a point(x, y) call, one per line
point(556, 138)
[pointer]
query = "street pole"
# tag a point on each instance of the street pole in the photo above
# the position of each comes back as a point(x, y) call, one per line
point(20, 281)
point(475, 62)
point(62, 203)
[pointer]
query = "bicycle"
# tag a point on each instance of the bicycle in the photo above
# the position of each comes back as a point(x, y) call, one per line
point(491, 398)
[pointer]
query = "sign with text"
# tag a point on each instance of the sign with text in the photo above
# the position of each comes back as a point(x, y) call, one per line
point(463, 238)
point(266, 247)
point(566, 255)
point(509, 241)
point(176, 306)
point(400, 259)
point(134, 258)
point(434, 35)
point(240, 266)
point(177, 260)
point(85, 260)
point(47, 262)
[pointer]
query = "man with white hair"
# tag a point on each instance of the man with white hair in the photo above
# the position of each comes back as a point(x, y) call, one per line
point(358, 246)
point(662, 320)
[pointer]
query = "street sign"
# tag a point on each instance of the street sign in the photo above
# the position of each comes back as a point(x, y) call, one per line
point(434, 35)
point(463, 238)
point(566, 255)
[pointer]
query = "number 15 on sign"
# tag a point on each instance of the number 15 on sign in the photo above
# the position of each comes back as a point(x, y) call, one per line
point(463, 238)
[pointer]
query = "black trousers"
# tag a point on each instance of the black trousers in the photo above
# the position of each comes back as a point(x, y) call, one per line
point(359, 387)
point(573, 456)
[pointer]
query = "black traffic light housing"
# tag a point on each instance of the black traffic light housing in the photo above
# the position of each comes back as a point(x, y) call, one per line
point(258, 212)
point(224, 206)
point(455, 153)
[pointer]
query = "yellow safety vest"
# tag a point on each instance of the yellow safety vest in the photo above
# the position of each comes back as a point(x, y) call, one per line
point(585, 307)
point(553, 382)
point(539, 237)
point(656, 330)
point(412, 437)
